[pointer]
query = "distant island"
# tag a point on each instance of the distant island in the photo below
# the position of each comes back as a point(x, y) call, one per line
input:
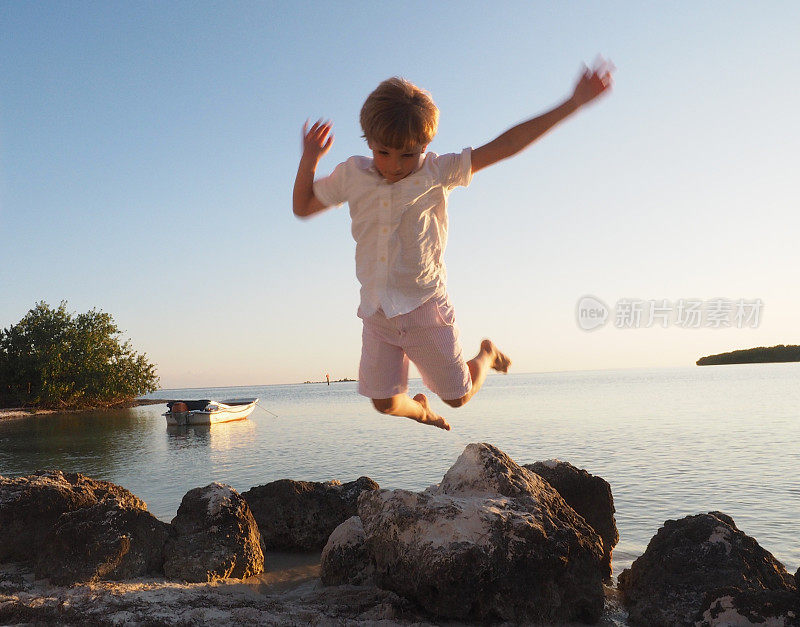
point(345, 380)
point(759, 355)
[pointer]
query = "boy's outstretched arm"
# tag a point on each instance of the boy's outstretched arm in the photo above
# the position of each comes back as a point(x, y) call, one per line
point(317, 141)
point(591, 84)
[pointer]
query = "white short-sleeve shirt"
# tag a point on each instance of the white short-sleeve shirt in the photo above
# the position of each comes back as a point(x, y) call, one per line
point(400, 228)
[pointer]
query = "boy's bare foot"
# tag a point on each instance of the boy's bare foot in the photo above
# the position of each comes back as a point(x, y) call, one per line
point(431, 418)
point(500, 361)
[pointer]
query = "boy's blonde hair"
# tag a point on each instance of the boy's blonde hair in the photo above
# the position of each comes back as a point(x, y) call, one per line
point(399, 115)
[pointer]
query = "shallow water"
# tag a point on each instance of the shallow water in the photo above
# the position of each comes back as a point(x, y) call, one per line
point(671, 442)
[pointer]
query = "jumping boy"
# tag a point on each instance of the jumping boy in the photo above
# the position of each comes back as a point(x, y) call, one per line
point(398, 207)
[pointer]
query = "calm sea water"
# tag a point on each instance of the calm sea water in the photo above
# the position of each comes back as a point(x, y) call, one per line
point(671, 442)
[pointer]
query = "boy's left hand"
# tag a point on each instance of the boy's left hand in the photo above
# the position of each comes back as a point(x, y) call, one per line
point(593, 83)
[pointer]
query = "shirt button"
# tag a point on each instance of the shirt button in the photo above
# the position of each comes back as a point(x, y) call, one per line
point(385, 204)
point(384, 230)
point(383, 259)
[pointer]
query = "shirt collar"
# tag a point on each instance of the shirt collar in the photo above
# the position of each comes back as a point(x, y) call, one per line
point(374, 170)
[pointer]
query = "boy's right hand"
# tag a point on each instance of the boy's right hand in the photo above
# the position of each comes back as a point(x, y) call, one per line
point(317, 140)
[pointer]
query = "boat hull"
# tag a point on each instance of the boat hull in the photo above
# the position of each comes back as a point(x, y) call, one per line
point(225, 412)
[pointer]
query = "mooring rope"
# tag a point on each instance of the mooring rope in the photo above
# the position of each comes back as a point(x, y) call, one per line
point(258, 404)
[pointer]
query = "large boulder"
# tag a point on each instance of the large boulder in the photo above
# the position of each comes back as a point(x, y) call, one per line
point(213, 536)
point(30, 507)
point(588, 495)
point(301, 515)
point(345, 558)
point(693, 562)
point(110, 540)
point(491, 541)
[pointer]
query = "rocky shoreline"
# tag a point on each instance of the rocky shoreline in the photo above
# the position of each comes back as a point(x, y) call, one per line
point(493, 542)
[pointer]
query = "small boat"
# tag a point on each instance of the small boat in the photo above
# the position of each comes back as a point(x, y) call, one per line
point(206, 412)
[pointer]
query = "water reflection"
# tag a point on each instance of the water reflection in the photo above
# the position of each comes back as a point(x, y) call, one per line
point(219, 437)
point(188, 436)
point(95, 443)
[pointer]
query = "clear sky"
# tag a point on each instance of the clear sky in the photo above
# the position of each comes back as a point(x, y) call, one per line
point(149, 151)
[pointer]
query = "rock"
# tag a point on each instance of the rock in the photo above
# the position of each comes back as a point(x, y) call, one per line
point(687, 561)
point(30, 507)
point(213, 536)
point(300, 515)
point(732, 606)
point(345, 558)
point(588, 495)
point(105, 541)
point(492, 541)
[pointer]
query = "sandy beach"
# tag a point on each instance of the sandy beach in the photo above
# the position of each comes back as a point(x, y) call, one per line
point(20, 412)
point(290, 593)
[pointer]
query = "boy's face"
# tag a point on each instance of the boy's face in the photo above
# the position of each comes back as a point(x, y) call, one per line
point(394, 164)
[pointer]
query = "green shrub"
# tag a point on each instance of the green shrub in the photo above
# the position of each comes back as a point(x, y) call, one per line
point(54, 359)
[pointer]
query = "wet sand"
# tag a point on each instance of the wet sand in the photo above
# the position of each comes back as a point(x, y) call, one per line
point(285, 571)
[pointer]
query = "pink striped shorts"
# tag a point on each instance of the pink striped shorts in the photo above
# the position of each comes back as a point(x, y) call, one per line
point(428, 336)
